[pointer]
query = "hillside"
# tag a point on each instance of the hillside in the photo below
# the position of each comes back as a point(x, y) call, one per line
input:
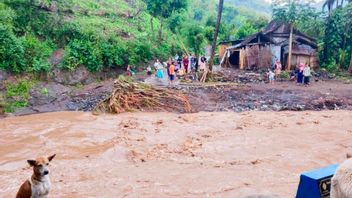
point(93, 33)
point(258, 6)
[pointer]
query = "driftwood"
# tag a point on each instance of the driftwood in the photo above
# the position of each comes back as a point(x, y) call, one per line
point(130, 96)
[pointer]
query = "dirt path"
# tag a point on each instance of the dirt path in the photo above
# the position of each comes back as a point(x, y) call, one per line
point(172, 155)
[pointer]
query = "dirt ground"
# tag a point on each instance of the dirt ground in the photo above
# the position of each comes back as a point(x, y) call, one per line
point(173, 155)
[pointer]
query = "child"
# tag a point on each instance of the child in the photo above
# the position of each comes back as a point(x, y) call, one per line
point(149, 70)
point(172, 73)
point(307, 74)
point(271, 75)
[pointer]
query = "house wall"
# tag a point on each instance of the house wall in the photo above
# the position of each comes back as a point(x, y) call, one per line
point(311, 60)
point(258, 57)
point(222, 50)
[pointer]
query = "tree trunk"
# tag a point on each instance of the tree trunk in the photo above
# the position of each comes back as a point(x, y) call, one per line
point(290, 49)
point(161, 30)
point(350, 68)
point(216, 32)
point(152, 24)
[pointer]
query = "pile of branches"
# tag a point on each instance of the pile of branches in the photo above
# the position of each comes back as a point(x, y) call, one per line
point(129, 96)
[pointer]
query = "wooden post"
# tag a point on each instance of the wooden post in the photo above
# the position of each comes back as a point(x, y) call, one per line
point(350, 68)
point(290, 49)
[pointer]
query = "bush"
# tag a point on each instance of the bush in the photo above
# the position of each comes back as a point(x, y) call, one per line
point(330, 65)
point(11, 50)
point(17, 95)
point(139, 51)
point(114, 53)
point(37, 53)
point(285, 75)
point(83, 52)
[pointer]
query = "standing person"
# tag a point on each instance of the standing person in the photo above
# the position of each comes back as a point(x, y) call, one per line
point(196, 63)
point(300, 74)
point(202, 64)
point(149, 70)
point(177, 57)
point(271, 76)
point(157, 64)
point(307, 74)
point(278, 68)
point(172, 73)
point(128, 70)
point(159, 71)
point(191, 66)
point(186, 63)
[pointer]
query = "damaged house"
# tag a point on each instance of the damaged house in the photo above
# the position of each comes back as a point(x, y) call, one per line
point(262, 49)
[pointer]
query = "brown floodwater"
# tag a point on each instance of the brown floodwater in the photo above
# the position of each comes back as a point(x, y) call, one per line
point(173, 155)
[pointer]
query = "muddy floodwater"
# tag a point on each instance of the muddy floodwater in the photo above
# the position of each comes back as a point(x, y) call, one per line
point(173, 155)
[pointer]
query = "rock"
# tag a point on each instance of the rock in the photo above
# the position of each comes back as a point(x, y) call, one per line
point(79, 76)
point(46, 93)
point(3, 77)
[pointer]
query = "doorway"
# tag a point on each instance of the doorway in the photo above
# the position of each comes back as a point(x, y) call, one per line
point(235, 59)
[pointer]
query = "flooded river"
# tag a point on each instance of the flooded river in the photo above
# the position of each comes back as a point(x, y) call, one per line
point(173, 155)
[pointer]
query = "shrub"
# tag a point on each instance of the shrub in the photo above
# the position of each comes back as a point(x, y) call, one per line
point(139, 51)
point(83, 52)
point(11, 50)
point(37, 53)
point(17, 95)
point(114, 53)
point(330, 65)
point(285, 75)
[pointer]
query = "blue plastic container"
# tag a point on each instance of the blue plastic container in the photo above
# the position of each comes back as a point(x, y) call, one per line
point(316, 183)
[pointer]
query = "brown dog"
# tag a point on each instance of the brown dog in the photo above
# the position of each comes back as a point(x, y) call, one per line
point(38, 185)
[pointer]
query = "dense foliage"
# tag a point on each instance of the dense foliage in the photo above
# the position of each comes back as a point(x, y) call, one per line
point(332, 29)
point(96, 34)
point(114, 33)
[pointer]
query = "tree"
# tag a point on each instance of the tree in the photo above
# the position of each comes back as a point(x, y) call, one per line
point(163, 9)
point(195, 37)
point(286, 11)
point(291, 12)
point(216, 32)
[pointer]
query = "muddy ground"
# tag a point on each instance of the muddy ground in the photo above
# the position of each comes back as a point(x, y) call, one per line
point(220, 154)
point(236, 91)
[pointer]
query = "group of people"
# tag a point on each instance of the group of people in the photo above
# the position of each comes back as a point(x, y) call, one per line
point(276, 73)
point(302, 73)
point(186, 63)
point(178, 66)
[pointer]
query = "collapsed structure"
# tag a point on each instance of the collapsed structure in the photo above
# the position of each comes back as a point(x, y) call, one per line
point(263, 49)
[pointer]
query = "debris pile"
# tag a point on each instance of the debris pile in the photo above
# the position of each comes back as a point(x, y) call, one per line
point(128, 96)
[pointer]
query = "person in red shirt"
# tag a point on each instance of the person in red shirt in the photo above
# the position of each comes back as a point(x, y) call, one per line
point(185, 63)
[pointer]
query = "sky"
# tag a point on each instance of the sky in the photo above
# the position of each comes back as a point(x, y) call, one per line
point(307, 0)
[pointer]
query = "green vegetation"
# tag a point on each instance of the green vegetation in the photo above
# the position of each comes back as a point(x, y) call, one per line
point(116, 33)
point(17, 95)
point(285, 75)
point(44, 91)
point(96, 34)
point(333, 31)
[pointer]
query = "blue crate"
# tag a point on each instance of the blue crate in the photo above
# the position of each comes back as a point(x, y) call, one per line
point(316, 183)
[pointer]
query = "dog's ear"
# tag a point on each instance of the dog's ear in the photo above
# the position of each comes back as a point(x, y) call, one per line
point(348, 155)
point(31, 162)
point(51, 157)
